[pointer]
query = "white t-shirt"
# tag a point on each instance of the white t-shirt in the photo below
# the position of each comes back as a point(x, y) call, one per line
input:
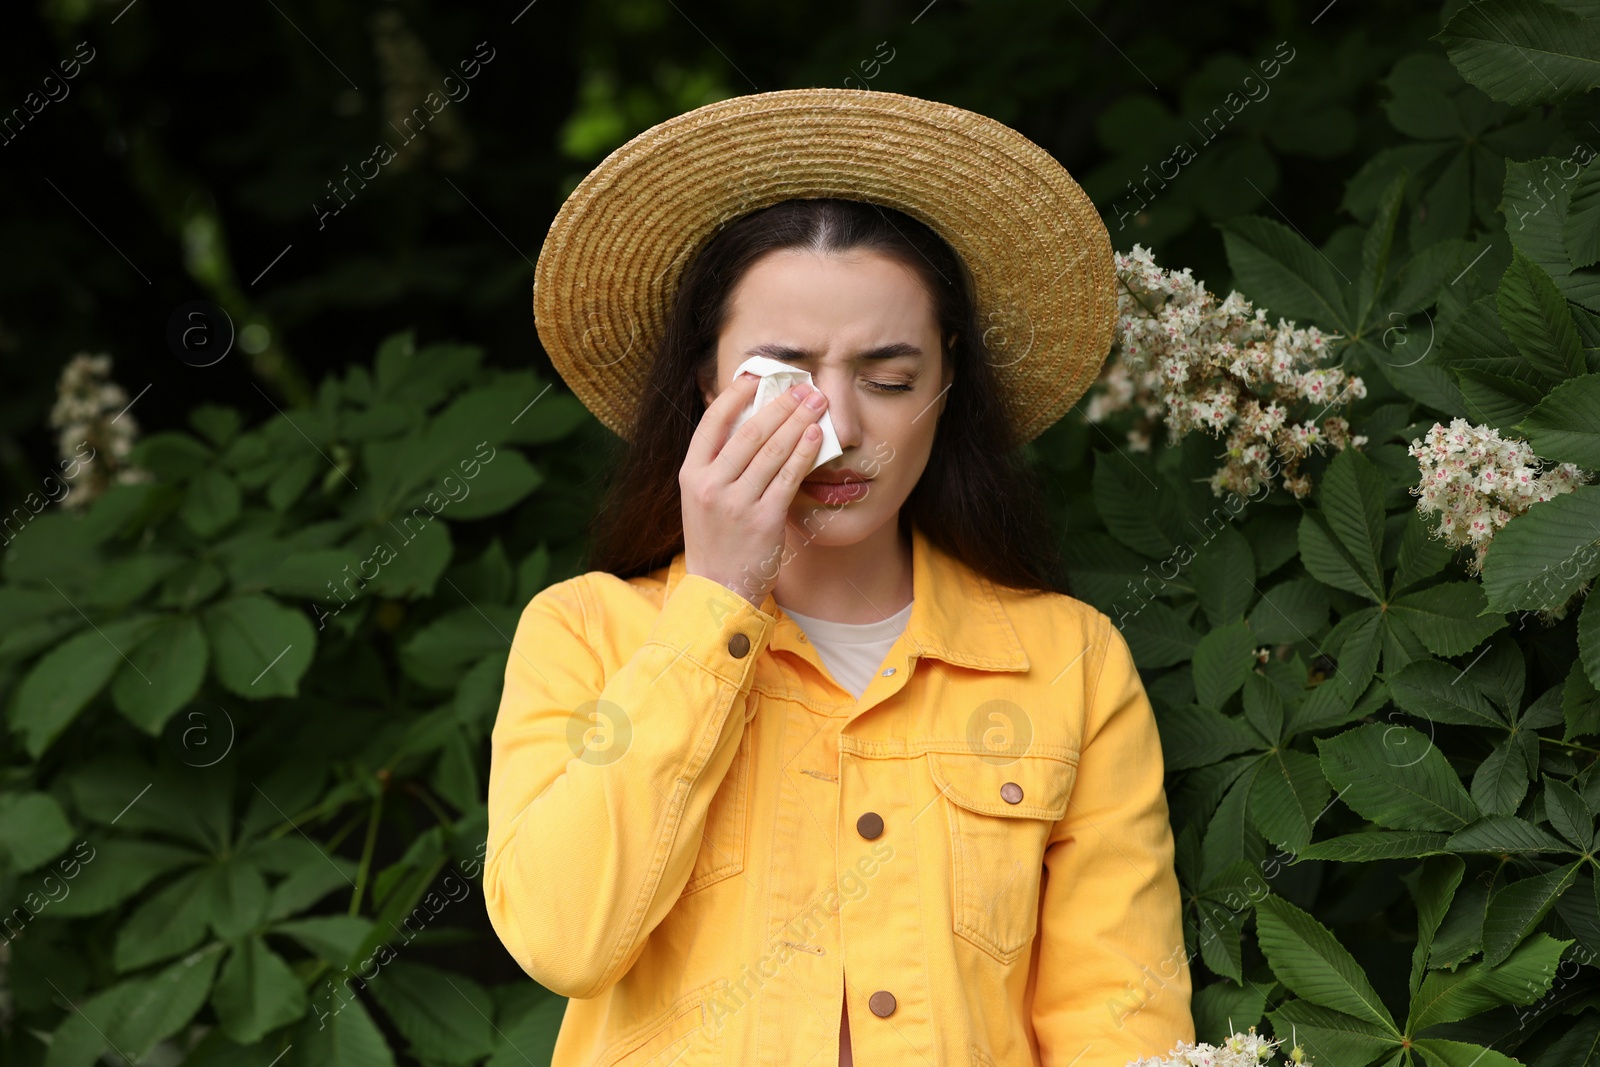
point(852, 651)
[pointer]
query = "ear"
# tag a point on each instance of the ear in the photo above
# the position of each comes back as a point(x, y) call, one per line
point(703, 377)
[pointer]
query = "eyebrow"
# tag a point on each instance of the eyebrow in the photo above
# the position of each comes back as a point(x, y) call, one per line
point(791, 354)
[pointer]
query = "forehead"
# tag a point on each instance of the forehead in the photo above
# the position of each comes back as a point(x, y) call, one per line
point(829, 294)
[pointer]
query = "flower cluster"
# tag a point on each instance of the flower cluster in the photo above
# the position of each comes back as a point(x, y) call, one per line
point(1223, 369)
point(1239, 1050)
point(90, 411)
point(1478, 482)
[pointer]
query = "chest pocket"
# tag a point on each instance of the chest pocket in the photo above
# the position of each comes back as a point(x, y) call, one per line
point(722, 849)
point(1000, 819)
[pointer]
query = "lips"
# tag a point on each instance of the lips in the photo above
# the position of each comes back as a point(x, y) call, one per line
point(844, 477)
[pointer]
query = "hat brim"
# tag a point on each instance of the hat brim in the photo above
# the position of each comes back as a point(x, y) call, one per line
point(1039, 255)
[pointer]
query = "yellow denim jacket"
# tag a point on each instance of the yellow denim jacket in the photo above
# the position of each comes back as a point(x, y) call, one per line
point(701, 838)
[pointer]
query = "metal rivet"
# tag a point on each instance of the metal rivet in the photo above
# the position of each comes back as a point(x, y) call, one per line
point(870, 826)
point(888, 671)
point(1011, 793)
point(739, 646)
point(881, 1003)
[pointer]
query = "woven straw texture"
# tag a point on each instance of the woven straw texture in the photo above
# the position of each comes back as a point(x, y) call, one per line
point(1040, 259)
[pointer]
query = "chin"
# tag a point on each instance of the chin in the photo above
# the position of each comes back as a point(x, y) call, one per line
point(813, 523)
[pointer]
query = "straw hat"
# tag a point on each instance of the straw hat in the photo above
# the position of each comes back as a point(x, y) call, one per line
point(1039, 255)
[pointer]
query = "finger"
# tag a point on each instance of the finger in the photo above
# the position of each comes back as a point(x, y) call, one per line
point(745, 443)
point(786, 483)
point(780, 446)
point(717, 422)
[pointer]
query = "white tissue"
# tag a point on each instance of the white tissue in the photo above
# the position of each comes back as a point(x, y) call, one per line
point(776, 378)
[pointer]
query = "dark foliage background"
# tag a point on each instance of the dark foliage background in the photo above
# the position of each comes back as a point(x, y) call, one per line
point(376, 336)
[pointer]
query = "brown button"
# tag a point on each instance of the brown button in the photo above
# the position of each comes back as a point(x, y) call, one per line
point(1011, 793)
point(881, 1003)
point(739, 646)
point(870, 826)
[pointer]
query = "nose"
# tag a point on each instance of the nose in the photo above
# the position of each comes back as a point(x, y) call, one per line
point(842, 408)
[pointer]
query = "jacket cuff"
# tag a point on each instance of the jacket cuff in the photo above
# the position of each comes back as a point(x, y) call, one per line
point(718, 629)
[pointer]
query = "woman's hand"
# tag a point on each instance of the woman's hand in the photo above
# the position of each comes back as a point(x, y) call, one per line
point(737, 490)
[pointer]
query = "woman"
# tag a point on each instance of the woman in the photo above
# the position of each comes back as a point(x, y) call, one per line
point(817, 762)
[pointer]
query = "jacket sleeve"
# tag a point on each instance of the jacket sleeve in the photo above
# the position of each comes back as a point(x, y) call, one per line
point(595, 823)
point(1113, 981)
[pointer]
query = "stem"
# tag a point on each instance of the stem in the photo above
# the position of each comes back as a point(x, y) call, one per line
point(1567, 744)
point(366, 854)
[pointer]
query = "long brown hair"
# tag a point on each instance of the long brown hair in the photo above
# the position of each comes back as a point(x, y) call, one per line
point(976, 499)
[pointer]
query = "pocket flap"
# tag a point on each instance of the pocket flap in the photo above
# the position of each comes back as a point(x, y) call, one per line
point(981, 783)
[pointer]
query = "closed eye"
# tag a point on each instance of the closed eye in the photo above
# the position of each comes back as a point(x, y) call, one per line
point(888, 388)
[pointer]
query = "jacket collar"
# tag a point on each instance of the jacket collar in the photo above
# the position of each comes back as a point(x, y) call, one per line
point(956, 614)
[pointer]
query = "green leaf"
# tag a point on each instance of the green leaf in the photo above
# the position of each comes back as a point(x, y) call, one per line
point(1290, 611)
point(1311, 962)
point(1369, 845)
point(1264, 707)
point(1326, 560)
point(211, 504)
point(1132, 505)
point(1446, 617)
point(1438, 692)
point(1504, 834)
point(171, 457)
point(501, 483)
point(1157, 635)
point(1352, 502)
point(1581, 231)
point(1437, 1052)
point(1589, 639)
point(163, 1004)
point(1224, 577)
point(1330, 1037)
point(1376, 244)
point(314, 876)
point(1279, 269)
point(439, 652)
point(63, 682)
point(1432, 887)
point(1536, 215)
point(1579, 1046)
point(1580, 704)
point(443, 1016)
point(1523, 52)
point(1222, 659)
point(1524, 977)
point(1501, 780)
point(1422, 555)
point(530, 1035)
point(1355, 642)
point(165, 924)
point(336, 938)
point(1286, 797)
point(1516, 908)
point(235, 899)
point(423, 547)
point(260, 648)
point(1535, 316)
point(257, 993)
point(338, 1032)
point(33, 830)
point(1394, 776)
point(1565, 426)
point(164, 674)
point(118, 869)
point(1567, 814)
point(1541, 557)
point(1200, 737)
